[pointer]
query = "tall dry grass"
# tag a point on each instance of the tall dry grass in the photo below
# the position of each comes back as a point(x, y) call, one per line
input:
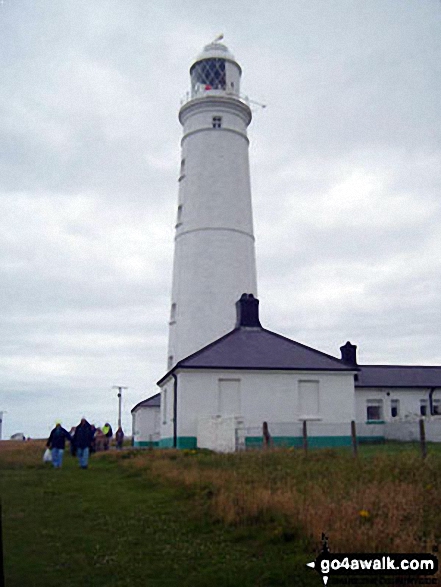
point(388, 503)
point(21, 453)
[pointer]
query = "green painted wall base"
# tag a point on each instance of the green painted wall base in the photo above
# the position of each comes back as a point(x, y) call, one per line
point(371, 439)
point(190, 442)
point(182, 442)
point(297, 441)
point(145, 443)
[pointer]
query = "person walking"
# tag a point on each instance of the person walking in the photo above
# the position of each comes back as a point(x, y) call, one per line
point(119, 437)
point(108, 433)
point(83, 439)
point(56, 442)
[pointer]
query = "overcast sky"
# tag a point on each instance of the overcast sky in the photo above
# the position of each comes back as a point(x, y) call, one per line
point(345, 173)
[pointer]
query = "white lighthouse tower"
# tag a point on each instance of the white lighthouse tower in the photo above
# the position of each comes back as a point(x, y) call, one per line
point(214, 258)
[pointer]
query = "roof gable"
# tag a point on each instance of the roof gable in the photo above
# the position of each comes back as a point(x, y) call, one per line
point(151, 402)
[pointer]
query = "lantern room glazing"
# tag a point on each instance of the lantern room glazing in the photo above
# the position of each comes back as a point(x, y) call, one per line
point(215, 71)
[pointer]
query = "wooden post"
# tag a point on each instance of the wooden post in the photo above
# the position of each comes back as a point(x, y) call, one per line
point(2, 574)
point(305, 437)
point(266, 435)
point(423, 438)
point(354, 439)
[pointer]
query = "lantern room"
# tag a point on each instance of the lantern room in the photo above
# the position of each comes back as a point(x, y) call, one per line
point(215, 71)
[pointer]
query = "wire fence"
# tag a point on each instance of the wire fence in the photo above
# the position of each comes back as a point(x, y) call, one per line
point(315, 434)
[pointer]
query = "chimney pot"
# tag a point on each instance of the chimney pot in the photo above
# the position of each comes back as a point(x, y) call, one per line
point(349, 354)
point(248, 311)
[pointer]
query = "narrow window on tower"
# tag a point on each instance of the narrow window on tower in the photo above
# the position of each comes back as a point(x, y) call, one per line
point(173, 314)
point(217, 122)
point(179, 217)
point(182, 170)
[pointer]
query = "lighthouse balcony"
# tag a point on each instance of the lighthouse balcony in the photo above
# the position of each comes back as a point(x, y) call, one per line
point(208, 91)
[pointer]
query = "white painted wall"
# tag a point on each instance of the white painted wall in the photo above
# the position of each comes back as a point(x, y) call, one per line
point(270, 396)
point(409, 401)
point(409, 431)
point(166, 413)
point(146, 424)
point(220, 433)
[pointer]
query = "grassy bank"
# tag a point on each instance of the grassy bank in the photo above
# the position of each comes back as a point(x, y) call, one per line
point(165, 518)
point(119, 526)
point(388, 500)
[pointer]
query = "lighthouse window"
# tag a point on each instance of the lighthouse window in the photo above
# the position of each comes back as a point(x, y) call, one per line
point(209, 74)
point(217, 122)
point(182, 170)
point(179, 218)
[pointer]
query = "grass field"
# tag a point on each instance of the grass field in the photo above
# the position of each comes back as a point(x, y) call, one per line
point(166, 518)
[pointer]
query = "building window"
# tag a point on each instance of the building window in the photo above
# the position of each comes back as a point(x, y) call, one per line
point(170, 362)
point(229, 397)
point(423, 407)
point(217, 122)
point(374, 410)
point(309, 403)
point(164, 406)
point(172, 316)
point(436, 407)
point(395, 408)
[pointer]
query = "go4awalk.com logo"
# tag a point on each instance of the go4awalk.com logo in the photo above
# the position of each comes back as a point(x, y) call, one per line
point(375, 565)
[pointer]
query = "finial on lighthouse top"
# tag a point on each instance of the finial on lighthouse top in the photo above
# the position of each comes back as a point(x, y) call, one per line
point(215, 69)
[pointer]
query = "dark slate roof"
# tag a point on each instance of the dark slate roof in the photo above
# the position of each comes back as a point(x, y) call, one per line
point(151, 402)
point(258, 348)
point(398, 376)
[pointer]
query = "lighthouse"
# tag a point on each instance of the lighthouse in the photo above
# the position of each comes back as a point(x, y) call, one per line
point(214, 255)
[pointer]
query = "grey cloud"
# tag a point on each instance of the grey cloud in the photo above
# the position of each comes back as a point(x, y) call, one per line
point(345, 165)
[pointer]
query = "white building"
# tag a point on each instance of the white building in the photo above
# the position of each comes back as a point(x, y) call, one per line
point(146, 422)
point(251, 375)
point(220, 396)
point(222, 382)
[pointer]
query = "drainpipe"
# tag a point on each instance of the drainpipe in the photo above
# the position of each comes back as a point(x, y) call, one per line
point(432, 389)
point(175, 410)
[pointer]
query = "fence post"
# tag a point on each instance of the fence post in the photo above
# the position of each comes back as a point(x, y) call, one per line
point(266, 435)
point(2, 574)
point(354, 438)
point(423, 438)
point(305, 437)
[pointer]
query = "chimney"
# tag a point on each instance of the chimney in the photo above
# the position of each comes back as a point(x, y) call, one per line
point(349, 354)
point(248, 311)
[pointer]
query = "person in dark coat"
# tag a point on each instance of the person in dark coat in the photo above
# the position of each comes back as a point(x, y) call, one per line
point(119, 436)
point(56, 442)
point(83, 438)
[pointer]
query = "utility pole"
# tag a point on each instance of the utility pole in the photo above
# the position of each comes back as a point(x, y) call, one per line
point(119, 388)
